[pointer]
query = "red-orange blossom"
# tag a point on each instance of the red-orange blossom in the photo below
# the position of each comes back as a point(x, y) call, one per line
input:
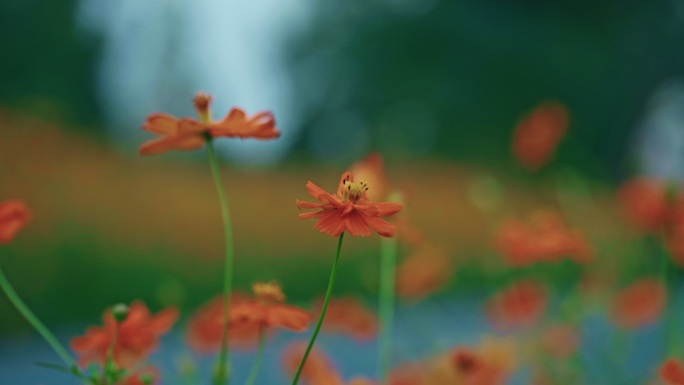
point(348, 210)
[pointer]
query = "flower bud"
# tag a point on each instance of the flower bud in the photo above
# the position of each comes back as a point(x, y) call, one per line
point(120, 312)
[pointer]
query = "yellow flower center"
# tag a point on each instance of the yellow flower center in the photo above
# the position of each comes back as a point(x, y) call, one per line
point(353, 191)
point(269, 292)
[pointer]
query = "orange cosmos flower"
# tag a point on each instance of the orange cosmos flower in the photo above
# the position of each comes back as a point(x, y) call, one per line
point(536, 136)
point(522, 304)
point(348, 210)
point(205, 327)
point(348, 316)
point(190, 134)
point(639, 304)
point(423, 272)
point(266, 310)
point(672, 372)
point(14, 215)
point(544, 238)
point(136, 339)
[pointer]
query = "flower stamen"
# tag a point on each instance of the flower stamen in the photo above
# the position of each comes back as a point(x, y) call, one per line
point(353, 191)
point(268, 293)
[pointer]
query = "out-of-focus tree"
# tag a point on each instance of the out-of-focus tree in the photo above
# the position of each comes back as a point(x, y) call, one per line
point(47, 68)
point(455, 76)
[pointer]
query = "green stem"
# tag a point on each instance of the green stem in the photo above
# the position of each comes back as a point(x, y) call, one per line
point(328, 293)
point(35, 322)
point(110, 372)
point(221, 374)
point(388, 256)
point(257, 360)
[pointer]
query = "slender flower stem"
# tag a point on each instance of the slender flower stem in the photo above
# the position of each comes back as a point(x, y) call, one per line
point(388, 257)
point(35, 322)
point(328, 293)
point(257, 360)
point(221, 374)
point(110, 372)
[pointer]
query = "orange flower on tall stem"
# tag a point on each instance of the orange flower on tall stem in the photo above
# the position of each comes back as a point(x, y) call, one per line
point(536, 136)
point(136, 338)
point(639, 304)
point(190, 134)
point(348, 210)
point(14, 215)
point(672, 372)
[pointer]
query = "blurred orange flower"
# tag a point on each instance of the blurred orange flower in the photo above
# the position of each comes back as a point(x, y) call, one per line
point(672, 372)
point(266, 310)
point(407, 374)
point(537, 135)
point(205, 327)
point(136, 339)
point(247, 318)
point(522, 304)
point(190, 134)
point(318, 370)
point(348, 316)
point(348, 210)
point(544, 238)
point(423, 272)
point(560, 341)
point(646, 204)
point(639, 304)
point(371, 170)
point(14, 215)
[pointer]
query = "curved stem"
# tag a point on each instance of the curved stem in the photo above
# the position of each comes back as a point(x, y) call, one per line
point(35, 322)
point(221, 374)
point(257, 360)
point(388, 256)
point(328, 293)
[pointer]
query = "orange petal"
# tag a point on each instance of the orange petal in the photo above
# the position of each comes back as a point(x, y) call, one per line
point(288, 317)
point(331, 223)
point(381, 226)
point(356, 225)
point(346, 177)
point(14, 215)
point(162, 124)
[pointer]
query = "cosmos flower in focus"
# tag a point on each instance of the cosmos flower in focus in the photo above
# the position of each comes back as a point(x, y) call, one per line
point(672, 372)
point(348, 210)
point(544, 238)
point(639, 304)
point(137, 337)
point(536, 137)
point(190, 134)
point(14, 215)
point(348, 316)
point(520, 305)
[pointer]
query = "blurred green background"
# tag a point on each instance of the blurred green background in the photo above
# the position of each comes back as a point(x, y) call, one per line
point(435, 86)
